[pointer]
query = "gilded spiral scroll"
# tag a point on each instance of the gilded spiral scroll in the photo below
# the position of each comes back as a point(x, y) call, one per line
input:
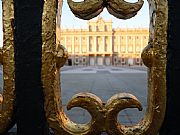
point(7, 60)
point(54, 57)
point(1, 99)
point(89, 9)
point(122, 9)
point(104, 115)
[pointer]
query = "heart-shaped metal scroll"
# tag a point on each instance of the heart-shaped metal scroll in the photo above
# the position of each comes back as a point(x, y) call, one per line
point(89, 9)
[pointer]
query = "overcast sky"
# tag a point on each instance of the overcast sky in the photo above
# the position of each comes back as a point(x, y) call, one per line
point(70, 21)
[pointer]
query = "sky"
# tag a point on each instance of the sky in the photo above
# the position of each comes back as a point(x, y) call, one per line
point(140, 20)
point(68, 20)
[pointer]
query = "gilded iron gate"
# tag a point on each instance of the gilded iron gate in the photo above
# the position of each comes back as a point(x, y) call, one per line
point(104, 116)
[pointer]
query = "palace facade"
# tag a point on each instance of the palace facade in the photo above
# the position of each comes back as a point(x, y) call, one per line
point(100, 44)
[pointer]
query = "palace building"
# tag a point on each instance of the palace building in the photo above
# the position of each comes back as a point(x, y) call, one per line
point(100, 44)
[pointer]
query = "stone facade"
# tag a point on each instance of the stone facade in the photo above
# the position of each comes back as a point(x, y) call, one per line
point(100, 44)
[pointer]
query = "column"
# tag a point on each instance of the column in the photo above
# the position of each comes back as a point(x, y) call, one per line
point(126, 44)
point(72, 46)
point(80, 47)
point(95, 44)
point(110, 48)
point(72, 50)
point(103, 42)
point(87, 45)
point(134, 45)
point(141, 38)
point(87, 50)
point(65, 43)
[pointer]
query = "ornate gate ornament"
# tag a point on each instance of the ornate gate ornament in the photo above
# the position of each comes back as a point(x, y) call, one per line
point(119, 8)
point(7, 60)
point(104, 115)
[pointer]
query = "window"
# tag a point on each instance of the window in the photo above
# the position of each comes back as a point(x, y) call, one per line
point(97, 48)
point(122, 60)
point(97, 28)
point(106, 48)
point(137, 60)
point(105, 27)
point(99, 43)
point(115, 48)
point(115, 59)
point(90, 47)
point(106, 44)
point(84, 59)
point(76, 60)
point(90, 28)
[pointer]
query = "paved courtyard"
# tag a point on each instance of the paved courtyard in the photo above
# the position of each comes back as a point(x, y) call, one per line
point(103, 82)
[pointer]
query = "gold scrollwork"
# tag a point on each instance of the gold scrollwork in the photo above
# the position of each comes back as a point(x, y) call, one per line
point(154, 56)
point(147, 55)
point(7, 60)
point(61, 55)
point(1, 99)
point(122, 9)
point(107, 113)
point(104, 116)
point(89, 9)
